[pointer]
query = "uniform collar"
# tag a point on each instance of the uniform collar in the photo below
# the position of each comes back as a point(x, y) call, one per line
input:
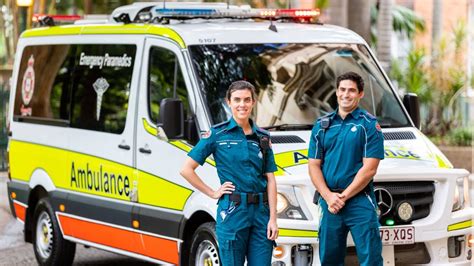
point(233, 124)
point(355, 113)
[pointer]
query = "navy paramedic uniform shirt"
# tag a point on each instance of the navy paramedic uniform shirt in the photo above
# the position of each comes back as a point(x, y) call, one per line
point(346, 142)
point(238, 160)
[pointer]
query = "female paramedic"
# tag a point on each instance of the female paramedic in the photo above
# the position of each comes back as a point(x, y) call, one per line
point(246, 213)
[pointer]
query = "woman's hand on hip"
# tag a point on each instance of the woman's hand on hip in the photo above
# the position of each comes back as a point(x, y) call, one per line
point(226, 188)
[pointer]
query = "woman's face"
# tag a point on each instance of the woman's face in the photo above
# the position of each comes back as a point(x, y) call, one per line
point(241, 104)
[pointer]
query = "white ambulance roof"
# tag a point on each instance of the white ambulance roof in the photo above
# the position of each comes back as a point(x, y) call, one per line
point(222, 32)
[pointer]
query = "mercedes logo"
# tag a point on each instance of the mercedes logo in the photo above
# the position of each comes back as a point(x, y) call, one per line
point(384, 200)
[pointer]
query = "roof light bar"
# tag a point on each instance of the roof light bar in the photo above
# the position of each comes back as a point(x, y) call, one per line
point(234, 12)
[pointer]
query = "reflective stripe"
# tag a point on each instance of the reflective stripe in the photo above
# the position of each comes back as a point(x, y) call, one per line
point(460, 225)
point(149, 128)
point(442, 163)
point(122, 238)
point(106, 29)
point(26, 157)
point(284, 232)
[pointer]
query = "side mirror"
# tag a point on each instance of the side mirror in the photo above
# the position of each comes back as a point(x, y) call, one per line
point(171, 118)
point(412, 104)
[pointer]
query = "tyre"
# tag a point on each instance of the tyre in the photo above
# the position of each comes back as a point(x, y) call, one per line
point(49, 245)
point(204, 250)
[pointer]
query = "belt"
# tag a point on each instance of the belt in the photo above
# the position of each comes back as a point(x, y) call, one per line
point(252, 198)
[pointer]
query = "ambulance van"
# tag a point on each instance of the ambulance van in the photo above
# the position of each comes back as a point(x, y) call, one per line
point(102, 115)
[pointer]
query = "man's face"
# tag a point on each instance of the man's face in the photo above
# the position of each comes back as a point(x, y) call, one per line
point(241, 104)
point(348, 96)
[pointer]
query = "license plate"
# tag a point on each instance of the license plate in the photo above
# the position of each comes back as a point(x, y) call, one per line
point(397, 235)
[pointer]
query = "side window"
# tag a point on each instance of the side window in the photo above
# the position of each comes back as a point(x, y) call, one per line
point(165, 80)
point(82, 86)
point(43, 87)
point(101, 86)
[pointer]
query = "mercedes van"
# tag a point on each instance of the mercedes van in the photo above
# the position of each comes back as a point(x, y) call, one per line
point(103, 113)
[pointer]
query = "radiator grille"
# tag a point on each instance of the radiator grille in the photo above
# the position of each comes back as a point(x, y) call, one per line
point(419, 194)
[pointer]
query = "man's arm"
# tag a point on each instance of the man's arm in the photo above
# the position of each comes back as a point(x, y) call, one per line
point(334, 200)
point(362, 178)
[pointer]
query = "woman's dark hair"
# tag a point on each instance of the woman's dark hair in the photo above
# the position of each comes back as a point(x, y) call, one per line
point(241, 85)
point(351, 76)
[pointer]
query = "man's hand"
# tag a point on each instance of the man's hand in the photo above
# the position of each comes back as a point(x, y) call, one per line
point(335, 201)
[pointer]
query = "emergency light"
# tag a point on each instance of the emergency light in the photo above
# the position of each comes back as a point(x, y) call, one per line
point(234, 12)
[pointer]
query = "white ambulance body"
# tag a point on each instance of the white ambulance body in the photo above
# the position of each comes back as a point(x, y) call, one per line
point(97, 135)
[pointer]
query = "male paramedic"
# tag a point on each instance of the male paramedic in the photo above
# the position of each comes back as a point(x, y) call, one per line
point(345, 149)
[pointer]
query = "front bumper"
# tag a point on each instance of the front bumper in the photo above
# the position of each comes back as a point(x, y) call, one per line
point(441, 238)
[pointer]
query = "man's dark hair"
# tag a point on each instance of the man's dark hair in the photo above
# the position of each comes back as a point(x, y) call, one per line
point(241, 85)
point(351, 76)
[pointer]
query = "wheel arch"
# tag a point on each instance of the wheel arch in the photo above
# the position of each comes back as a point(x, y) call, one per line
point(37, 193)
point(40, 186)
point(188, 228)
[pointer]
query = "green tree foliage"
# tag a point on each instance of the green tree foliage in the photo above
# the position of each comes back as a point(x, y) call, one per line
point(438, 82)
point(405, 21)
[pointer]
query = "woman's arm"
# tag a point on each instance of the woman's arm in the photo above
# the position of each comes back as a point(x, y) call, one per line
point(272, 228)
point(189, 173)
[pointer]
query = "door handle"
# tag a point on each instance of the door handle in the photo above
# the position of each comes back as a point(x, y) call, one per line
point(124, 146)
point(144, 150)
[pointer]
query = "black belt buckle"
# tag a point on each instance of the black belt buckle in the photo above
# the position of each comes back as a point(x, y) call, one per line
point(252, 198)
point(235, 197)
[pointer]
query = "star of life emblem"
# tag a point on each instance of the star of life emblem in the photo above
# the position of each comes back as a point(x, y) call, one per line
point(100, 86)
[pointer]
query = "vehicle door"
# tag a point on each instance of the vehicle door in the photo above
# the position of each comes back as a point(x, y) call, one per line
point(162, 192)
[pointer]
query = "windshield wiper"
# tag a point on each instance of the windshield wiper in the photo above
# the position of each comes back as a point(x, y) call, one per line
point(288, 127)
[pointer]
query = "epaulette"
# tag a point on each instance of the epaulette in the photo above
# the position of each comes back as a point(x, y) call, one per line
point(369, 115)
point(325, 116)
point(217, 126)
point(263, 131)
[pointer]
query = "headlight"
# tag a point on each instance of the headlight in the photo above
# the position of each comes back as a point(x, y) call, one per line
point(282, 203)
point(287, 205)
point(461, 194)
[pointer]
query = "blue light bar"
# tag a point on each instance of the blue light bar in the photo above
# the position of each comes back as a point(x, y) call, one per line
point(185, 11)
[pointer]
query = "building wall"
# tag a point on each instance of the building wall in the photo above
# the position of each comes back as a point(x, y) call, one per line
point(452, 10)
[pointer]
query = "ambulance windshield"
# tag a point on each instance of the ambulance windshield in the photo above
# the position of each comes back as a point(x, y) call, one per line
point(295, 82)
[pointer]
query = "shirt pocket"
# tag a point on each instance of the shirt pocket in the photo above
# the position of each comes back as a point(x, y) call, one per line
point(255, 155)
point(229, 151)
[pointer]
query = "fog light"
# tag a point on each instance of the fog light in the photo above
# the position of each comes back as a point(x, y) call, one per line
point(470, 240)
point(405, 211)
point(278, 252)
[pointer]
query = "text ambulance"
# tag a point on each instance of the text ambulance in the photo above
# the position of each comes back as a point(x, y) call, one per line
point(103, 113)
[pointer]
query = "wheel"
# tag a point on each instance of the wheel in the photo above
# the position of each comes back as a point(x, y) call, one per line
point(204, 249)
point(49, 245)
